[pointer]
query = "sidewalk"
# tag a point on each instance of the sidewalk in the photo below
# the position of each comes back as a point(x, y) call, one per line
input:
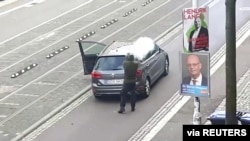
point(243, 95)
point(242, 74)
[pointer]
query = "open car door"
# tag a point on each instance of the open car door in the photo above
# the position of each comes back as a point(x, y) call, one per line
point(89, 52)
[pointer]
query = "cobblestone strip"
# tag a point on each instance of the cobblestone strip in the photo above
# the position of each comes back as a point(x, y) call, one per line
point(57, 117)
point(243, 95)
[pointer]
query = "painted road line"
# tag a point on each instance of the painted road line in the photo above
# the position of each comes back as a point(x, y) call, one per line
point(68, 35)
point(245, 8)
point(11, 104)
point(36, 100)
point(110, 35)
point(222, 50)
point(145, 134)
point(61, 63)
point(14, 114)
point(20, 34)
point(3, 116)
point(163, 17)
point(7, 2)
point(48, 117)
point(103, 39)
point(46, 122)
point(16, 8)
point(242, 86)
point(28, 95)
point(52, 33)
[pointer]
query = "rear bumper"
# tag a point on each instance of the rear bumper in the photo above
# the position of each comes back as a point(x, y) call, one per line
point(113, 90)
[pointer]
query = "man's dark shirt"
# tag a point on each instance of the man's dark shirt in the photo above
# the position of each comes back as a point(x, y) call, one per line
point(130, 68)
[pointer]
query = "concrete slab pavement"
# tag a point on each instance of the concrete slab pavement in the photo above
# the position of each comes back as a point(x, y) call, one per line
point(172, 130)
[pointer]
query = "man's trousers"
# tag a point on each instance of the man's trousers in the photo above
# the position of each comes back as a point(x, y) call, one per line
point(128, 88)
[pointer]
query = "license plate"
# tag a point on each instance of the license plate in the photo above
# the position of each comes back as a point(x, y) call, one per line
point(115, 81)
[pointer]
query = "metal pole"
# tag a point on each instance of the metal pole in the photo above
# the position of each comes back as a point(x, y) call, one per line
point(195, 3)
point(231, 81)
point(197, 114)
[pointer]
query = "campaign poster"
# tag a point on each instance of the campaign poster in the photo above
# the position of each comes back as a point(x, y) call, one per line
point(195, 74)
point(196, 31)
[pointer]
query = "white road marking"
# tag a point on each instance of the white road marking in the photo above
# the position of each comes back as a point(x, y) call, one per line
point(174, 110)
point(245, 8)
point(57, 40)
point(16, 8)
point(110, 35)
point(50, 34)
point(20, 34)
point(55, 118)
point(154, 23)
point(122, 1)
point(6, 2)
point(30, 95)
point(34, 2)
point(3, 116)
point(184, 99)
point(12, 104)
point(213, 3)
point(5, 135)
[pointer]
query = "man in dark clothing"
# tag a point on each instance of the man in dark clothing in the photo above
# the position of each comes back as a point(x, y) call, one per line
point(130, 67)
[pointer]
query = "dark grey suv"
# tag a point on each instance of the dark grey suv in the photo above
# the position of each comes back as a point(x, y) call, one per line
point(105, 64)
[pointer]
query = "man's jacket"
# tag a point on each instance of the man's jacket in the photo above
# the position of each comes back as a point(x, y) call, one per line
point(130, 68)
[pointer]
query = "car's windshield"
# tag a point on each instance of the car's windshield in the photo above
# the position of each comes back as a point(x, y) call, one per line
point(110, 63)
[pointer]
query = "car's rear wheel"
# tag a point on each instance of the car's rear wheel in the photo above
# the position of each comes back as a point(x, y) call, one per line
point(146, 88)
point(166, 68)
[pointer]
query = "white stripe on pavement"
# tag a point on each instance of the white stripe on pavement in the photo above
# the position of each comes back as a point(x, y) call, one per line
point(184, 99)
point(6, 2)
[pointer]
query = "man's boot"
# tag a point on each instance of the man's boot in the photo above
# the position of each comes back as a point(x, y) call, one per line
point(122, 110)
point(132, 109)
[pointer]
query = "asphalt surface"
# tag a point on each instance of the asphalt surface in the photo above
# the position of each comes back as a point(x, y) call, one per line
point(31, 96)
point(173, 129)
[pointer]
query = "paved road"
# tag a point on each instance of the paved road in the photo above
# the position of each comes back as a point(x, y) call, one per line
point(34, 94)
point(173, 129)
point(85, 121)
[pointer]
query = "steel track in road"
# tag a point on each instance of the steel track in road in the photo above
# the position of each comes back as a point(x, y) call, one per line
point(6, 119)
point(143, 134)
point(161, 117)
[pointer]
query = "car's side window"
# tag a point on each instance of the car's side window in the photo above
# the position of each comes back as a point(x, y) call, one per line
point(148, 55)
point(152, 52)
point(156, 49)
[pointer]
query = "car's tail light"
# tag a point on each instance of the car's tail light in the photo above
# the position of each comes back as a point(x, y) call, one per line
point(96, 74)
point(138, 73)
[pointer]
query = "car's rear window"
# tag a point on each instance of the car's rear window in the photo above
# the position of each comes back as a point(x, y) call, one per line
point(110, 63)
